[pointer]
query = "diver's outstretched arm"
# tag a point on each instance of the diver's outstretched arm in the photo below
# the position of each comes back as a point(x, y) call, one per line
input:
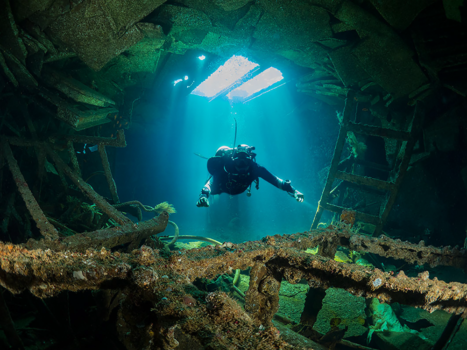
point(284, 185)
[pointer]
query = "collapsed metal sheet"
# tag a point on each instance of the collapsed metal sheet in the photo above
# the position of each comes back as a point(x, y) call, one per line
point(286, 25)
point(386, 58)
point(397, 74)
point(400, 13)
point(348, 67)
point(125, 13)
point(75, 89)
point(77, 118)
point(183, 18)
point(100, 30)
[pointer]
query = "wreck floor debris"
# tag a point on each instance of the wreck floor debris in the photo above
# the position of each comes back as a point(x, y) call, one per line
point(146, 276)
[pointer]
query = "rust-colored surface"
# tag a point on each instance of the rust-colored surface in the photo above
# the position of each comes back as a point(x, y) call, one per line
point(45, 227)
point(294, 264)
point(348, 217)
point(73, 159)
point(262, 297)
point(382, 246)
point(87, 189)
point(180, 312)
point(108, 173)
point(108, 238)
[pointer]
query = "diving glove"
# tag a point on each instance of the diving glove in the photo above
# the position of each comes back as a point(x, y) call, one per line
point(299, 196)
point(203, 202)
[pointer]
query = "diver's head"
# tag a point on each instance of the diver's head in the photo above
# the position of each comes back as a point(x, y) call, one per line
point(242, 158)
point(245, 149)
point(222, 151)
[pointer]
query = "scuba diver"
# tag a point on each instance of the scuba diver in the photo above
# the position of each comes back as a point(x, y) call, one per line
point(233, 170)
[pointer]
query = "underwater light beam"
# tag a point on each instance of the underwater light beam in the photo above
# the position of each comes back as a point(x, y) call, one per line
point(262, 81)
point(226, 75)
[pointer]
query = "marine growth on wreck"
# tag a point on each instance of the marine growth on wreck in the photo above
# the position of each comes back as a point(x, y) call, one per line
point(218, 174)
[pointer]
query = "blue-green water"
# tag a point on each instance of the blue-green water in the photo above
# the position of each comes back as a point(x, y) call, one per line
point(294, 140)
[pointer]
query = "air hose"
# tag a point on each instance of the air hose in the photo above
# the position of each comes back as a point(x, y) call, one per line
point(177, 231)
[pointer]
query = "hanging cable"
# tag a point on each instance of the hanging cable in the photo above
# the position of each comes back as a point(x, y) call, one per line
point(235, 138)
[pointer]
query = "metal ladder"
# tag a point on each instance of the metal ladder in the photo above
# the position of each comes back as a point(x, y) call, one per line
point(390, 187)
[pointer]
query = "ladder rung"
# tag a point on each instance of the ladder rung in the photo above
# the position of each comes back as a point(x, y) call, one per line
point(372, 165)
point(366, 189)
point(377, 131)
point(371, 219)
point(365, 181)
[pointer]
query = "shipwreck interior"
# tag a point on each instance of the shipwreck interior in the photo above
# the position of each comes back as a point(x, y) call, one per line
point(109, 112)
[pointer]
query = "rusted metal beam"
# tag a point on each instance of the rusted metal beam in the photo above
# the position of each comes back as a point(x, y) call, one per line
point(384, 246)
point(377, 131)
point(108, 238)
point(118, 141)
point(349, 110)
point(46, 228)
point(108, 174)
point(21, 73)
point(146, 273)
point(283, 255)
point(9, 33)
point(404, 155)
point(7, 71)
point(87, 189)
point(74, 160)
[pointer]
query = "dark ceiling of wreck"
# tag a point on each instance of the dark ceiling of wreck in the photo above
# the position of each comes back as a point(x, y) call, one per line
point(394, 53)
point(78, 64)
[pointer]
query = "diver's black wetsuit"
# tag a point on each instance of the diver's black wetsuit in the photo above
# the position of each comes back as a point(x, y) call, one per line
point(225, 180)
point(233, 170)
